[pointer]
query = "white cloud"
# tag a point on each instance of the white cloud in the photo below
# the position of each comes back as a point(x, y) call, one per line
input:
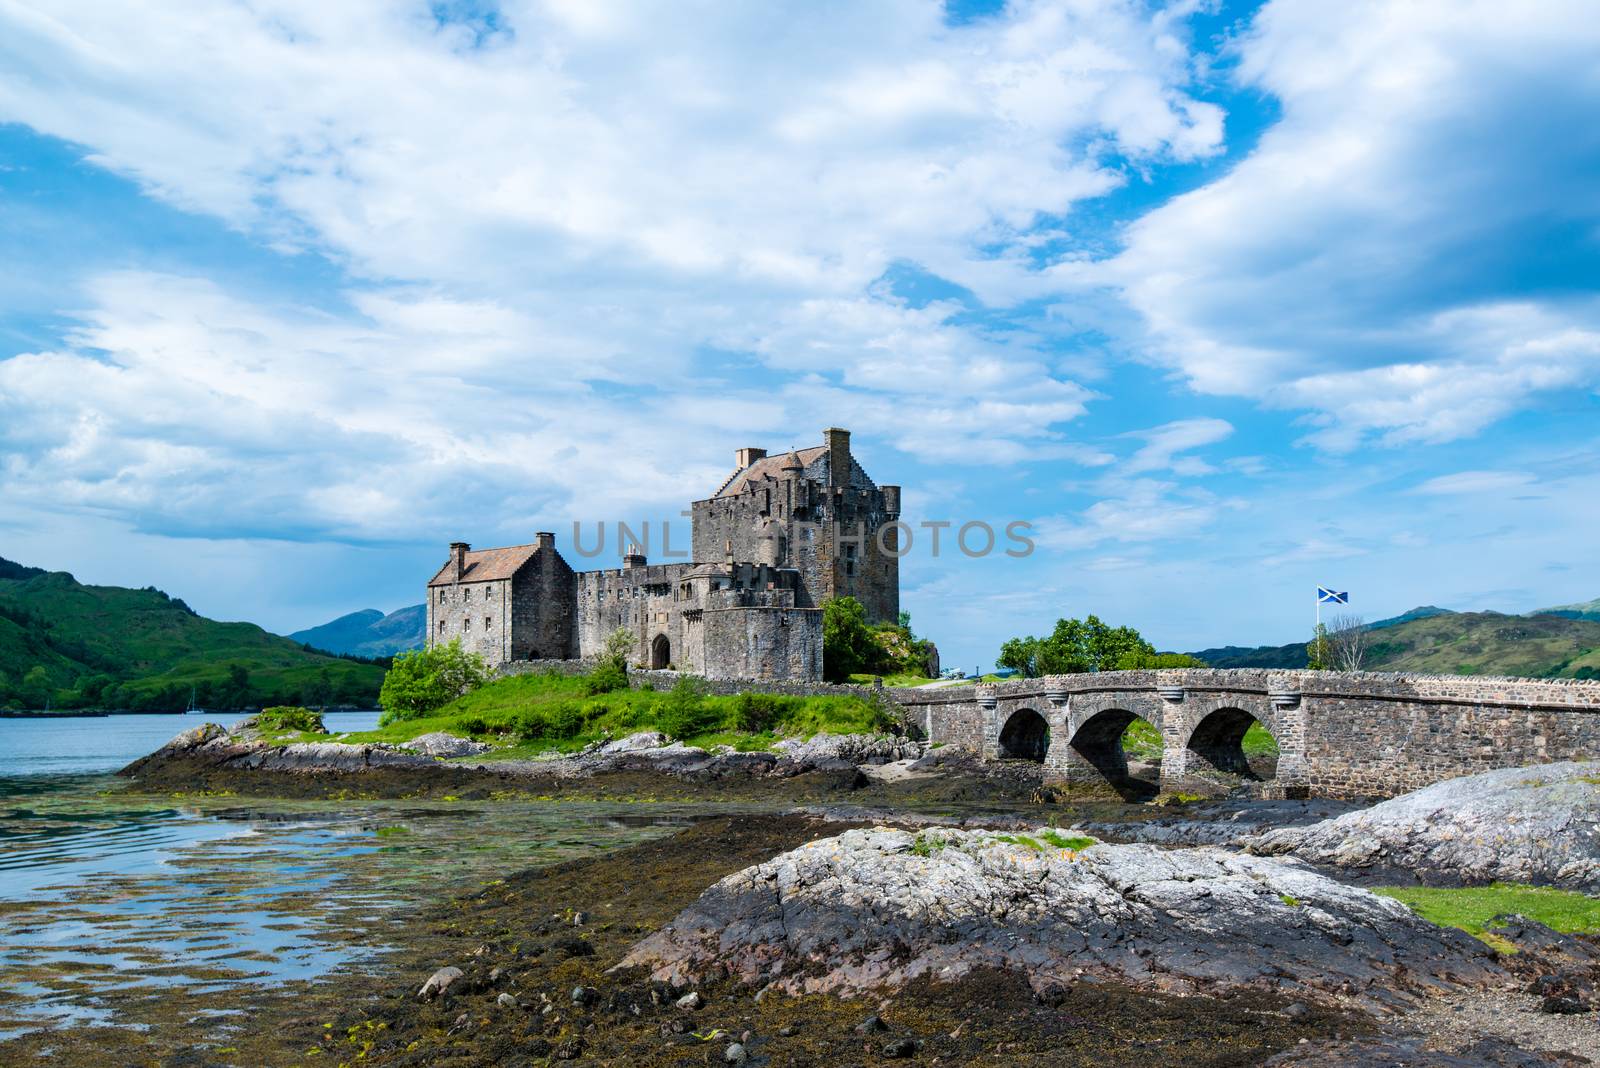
point(1404, 252)
point(1163, 444)
point(543, 212)
point(1473, 482)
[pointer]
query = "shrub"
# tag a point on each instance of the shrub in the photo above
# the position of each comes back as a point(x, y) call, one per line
point(607, 677)
point(685, 712)
point(289, 718)
point(427, 679)
point(558, 720)
point(757, 712)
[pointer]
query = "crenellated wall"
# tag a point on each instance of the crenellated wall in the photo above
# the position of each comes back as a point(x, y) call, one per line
point(1338, 734)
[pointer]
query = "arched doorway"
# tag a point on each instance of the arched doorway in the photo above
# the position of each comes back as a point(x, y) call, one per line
point(1232, 741)
point(1104, 741)
point(660, 652)
point(1025, 736)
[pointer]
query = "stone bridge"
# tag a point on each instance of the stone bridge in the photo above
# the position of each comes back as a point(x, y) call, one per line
point(1338, 734)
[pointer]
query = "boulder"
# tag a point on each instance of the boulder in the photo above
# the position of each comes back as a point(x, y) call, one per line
point(440, 981)
point(822, 749)
point(443, 744)
point(876, 908)
point(1525, 825)
point(633, 743)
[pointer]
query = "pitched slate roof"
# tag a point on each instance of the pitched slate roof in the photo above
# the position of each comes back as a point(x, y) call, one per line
point(769, 467)
point(486, 565)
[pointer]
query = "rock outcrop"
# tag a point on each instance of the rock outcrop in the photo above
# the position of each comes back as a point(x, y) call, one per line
point(878, 907)
point(209, 746)
point(445, 745)
point(855, 748)
point(1526, 825)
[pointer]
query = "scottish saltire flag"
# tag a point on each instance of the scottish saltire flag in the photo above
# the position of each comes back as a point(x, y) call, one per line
point(1327, 596)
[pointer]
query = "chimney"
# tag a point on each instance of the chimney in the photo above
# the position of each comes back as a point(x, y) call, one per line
point(747, 456)
point(838, 442)
point(458, 556)
point(544, 540)
point(634, 557)
point(891, 501)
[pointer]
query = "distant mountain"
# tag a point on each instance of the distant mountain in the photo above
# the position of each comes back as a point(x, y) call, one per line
point(369, 632)
point(1294, 654)
point(1427, 611)
point(1437, 641)
point(1587, 610)
point(69, 645)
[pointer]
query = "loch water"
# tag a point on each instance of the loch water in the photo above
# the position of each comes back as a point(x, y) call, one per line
point(114, 903)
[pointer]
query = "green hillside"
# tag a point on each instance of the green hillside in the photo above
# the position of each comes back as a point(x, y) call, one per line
point(1437, 642)
point(76, 646)
point(1585, 610)
point(1488, 643)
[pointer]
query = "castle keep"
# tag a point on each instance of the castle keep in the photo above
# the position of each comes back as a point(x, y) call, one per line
point(782, 535)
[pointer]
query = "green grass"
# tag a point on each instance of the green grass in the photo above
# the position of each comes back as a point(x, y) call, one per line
point(525, 715)
point(903, 679)
point(1075, 842)
point(1143, 742)
point(1473, 908)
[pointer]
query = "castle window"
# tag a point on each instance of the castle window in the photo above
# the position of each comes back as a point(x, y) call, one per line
point(487, 622)
point(849, 567)
point(441, 626)
point(486, 593)
point(466, 624)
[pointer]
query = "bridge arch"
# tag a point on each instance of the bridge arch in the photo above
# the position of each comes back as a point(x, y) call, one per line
point(1099, 741)
point(1025, 736)
point(1217, 743)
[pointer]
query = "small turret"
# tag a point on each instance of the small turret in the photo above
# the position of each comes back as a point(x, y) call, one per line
point(891, 501)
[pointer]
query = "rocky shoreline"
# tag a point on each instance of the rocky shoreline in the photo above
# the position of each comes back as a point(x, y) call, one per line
point(872, 926)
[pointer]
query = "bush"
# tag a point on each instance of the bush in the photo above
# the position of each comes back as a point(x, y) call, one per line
point(758, 712)
point(427, 679)
point(289, 718)
point(558, 720)
point(685, 712)
point(607, 677)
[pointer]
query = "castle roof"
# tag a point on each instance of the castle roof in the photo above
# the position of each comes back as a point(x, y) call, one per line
point(770, 467)
point(486, 565)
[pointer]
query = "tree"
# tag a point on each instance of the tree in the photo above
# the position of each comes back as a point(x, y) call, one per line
point(35, 688)
point(1319, 651)
point(1020, 654)
point(425, 679)
point(1075, 646)
point(848, 645)
point(1349, 641)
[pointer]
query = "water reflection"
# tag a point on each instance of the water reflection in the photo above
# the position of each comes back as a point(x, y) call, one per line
point(110, 901)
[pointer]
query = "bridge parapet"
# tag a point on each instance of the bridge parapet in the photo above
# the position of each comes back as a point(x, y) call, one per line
point(1338, 733)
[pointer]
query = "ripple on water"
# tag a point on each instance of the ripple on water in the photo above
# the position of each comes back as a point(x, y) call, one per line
point(111, 902)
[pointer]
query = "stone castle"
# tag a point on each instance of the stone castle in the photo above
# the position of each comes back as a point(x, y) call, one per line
point(782, 535)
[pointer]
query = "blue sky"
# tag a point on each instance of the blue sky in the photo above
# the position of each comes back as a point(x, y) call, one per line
point(1227, 300)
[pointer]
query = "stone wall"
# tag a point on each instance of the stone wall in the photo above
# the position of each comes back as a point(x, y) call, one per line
point(762, 640)
point(543, 602)
point(643, 600)
point(1339, 734)
point(478, 614)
